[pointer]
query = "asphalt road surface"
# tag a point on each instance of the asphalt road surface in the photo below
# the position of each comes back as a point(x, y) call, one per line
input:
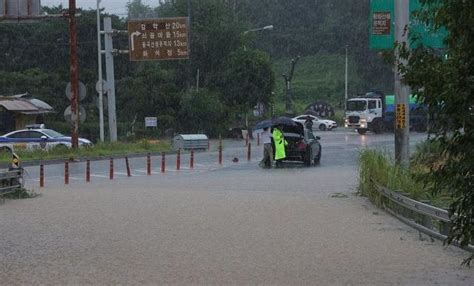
point(218, 224)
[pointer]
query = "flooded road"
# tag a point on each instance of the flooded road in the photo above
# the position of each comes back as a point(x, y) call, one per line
point(229, 224)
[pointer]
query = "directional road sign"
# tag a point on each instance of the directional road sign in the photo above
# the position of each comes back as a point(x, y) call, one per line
point(158, 39)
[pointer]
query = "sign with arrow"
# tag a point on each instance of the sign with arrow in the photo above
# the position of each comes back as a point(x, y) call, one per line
point(158, 39)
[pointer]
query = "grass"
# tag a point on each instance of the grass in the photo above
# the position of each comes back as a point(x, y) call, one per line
point(316, 77)
point(376, 166)
point(98, 150)
point(20, 194)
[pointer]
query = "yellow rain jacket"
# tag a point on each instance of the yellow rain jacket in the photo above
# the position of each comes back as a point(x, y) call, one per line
point(280, 144)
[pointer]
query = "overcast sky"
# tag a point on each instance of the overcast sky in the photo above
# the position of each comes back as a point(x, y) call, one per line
point(112, 6)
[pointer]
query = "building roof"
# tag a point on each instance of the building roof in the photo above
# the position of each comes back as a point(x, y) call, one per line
point(25, 103)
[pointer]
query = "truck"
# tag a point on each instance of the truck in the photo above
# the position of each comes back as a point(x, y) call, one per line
point(375, 112)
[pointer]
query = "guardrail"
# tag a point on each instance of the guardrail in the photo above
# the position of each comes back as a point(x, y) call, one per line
point(426, 218)
point(10, 180)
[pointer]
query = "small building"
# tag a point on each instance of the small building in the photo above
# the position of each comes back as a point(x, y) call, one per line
point(19, 110)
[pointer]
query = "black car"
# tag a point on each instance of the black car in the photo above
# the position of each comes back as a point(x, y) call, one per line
point(302, 145)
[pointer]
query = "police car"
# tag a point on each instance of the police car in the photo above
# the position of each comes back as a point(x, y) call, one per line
point(37, 137)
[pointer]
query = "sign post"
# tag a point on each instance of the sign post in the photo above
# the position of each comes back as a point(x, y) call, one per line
point(158, 39)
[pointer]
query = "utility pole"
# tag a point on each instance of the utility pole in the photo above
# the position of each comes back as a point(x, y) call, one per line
point(109, 67)
point(73, 74)
point(346, 79)
point(101, 88)
point(402, 91)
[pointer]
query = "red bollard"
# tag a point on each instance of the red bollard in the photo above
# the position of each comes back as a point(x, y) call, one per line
point(148, 164)
point(111, 172)
point(191, 161)
point(178, 160)
point(128, 167)
point(220, 151)
point(163, 162)
point(88, 171)
point(249, 152)
point(258, 139)
point(41, 176)
point(66, 172)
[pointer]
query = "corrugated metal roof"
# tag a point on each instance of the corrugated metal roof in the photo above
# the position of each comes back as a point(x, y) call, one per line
point(24, 103)
point(41, 104)
point(18, 105)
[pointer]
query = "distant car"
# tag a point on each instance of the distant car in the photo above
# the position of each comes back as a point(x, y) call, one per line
point(38, 137)
point(318, 123)
point(302, 145)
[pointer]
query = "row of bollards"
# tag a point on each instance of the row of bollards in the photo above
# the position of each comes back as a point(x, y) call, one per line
point(148, 164)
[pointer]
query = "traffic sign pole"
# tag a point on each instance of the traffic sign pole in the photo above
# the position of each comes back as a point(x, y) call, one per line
point(101, 88)
point(109, 66)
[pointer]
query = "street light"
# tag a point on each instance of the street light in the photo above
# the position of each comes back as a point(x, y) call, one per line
point(268, 27)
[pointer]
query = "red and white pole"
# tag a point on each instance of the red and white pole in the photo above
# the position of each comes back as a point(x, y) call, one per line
point(128, 167)
point(249, 152)
point(148, 164)
point(111, 169)
point(163, 162)
point(178, 160)
point(220, 150)
point(41, 176)
point(66, 172)
point(88, 171)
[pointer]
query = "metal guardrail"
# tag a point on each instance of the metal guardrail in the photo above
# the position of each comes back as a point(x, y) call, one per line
point(10, 181)
point(419, 215)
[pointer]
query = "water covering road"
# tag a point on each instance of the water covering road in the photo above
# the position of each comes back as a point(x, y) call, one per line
point(229, 224)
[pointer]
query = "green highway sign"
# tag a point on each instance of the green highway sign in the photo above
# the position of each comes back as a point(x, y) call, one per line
point(382, 27)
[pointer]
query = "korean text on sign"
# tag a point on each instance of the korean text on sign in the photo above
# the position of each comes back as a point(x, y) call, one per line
point(159, 39)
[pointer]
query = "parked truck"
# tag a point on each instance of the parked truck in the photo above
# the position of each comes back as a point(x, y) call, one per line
point(375, 112)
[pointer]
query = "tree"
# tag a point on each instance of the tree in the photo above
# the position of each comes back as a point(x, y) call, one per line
point(202, 112)
point(445, 81)
point(248, 81)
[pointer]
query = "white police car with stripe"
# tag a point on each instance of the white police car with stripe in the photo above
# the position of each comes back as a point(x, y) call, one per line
point(36, 136)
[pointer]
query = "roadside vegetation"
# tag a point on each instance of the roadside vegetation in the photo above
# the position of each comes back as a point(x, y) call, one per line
point(20, 194)
point(442, 81)
point(98, 150)
point(378, 167)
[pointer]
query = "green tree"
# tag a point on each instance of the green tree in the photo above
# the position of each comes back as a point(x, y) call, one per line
point(447, 86)
point(248, 81)
point(202, 112)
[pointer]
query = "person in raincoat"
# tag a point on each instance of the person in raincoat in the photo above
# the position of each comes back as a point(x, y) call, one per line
point(280, 144)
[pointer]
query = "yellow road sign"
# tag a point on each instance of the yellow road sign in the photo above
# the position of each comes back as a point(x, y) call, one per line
point(401, 116)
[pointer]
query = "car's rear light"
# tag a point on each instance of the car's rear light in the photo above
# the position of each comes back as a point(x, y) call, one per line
point(302, 145)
